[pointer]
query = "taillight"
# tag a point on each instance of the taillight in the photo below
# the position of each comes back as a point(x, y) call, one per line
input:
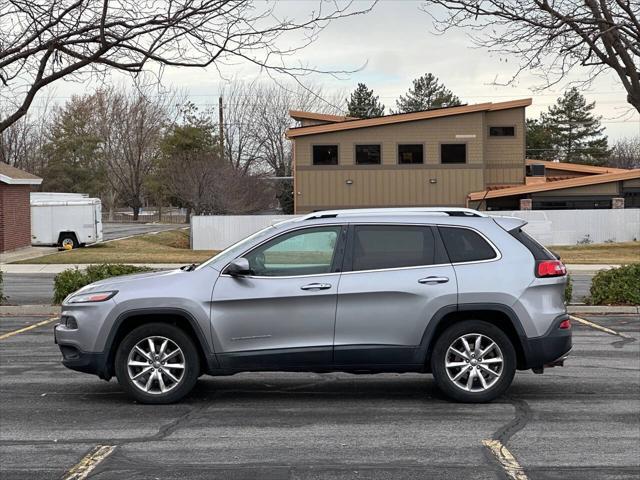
point(565, 325)
point(550, 268)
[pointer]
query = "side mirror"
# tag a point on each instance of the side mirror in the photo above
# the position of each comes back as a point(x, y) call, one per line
point(240, 266)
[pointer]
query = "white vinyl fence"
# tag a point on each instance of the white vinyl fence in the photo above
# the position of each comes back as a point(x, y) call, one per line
point(550, 227)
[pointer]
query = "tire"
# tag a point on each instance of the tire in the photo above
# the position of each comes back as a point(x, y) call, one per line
point(179, 350)
point(68, 239)
point(454, 381)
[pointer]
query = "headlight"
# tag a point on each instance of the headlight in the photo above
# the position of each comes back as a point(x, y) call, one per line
point(92, 297)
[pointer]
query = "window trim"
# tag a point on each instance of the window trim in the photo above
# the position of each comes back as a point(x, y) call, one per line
point(466, 153)
point(486, 239)
point(424, 149)
point(355, 154)
point(515, 131)
point(337, 145)
point(337, 260)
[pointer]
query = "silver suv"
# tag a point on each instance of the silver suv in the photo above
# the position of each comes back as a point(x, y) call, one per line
point(467, 297)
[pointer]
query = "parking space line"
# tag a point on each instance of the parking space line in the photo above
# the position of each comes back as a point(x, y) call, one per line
point(89, 462)
point(599, 327)
point(29, 327)
point(507, 461)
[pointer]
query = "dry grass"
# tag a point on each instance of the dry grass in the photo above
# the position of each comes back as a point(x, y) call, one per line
point(601, 253)
point(165, 247)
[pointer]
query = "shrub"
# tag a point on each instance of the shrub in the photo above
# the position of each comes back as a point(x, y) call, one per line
point(70, 280)
point(568, 290)
point(620, 286)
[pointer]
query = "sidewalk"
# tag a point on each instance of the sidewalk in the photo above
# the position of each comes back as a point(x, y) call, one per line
point(20, 268)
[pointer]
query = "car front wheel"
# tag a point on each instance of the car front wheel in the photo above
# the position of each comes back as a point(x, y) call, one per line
point(157, 363)
point(473, 361)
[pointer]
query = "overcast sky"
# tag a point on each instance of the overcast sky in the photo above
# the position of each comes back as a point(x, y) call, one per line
point(395, 44)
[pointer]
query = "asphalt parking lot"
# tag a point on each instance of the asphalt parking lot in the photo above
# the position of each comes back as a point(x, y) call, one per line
point(580, 421)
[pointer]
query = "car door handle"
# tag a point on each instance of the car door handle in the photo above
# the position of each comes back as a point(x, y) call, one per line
point(430, 280)
point(316, 286)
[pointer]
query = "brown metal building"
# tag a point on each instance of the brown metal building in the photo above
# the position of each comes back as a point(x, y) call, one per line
point(454, 156)
point(15, 207)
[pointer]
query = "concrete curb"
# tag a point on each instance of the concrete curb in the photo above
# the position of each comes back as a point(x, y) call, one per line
point(26, 310)
point(603, 309)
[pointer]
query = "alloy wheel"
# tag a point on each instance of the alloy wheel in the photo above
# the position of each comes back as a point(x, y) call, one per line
point(474, 362)
point(156, 365)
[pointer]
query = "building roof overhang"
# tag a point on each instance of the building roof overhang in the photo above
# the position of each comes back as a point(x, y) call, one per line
point(14, 176)
point(574, 167)
point(351, 124)
point(557, 185)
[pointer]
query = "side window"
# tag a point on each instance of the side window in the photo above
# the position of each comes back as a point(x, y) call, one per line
point(464, 245)
point(392, 246)
point(305, 252)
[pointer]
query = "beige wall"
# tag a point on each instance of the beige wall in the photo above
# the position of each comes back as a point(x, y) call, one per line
point(601, 189)
point(505, 156)
point(632, 183)
point(391, 184)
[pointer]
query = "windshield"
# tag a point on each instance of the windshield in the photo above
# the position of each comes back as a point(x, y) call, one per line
point(230, 253)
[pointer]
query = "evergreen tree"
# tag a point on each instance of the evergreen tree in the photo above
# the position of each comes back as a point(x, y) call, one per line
point(540, 141)
point(74, 151)
point(576, 133)
point(427, 92)
point(364, 104)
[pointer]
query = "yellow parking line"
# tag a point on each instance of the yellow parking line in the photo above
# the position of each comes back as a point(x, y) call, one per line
point(508, 462)
point(26, 329)
point(90, 461)
point(598, 327)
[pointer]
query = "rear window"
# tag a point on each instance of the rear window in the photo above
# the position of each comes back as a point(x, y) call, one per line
point(537, 250)
point(464, 245)
point(384, 246)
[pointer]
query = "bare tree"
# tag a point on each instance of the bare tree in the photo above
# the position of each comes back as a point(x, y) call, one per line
point(256, 120)
point(131, 125)
point(552, 37)
point(43, 41)
point(625, 153)
point(21, 143)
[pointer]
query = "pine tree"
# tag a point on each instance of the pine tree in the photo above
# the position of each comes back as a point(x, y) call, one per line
point(539, 140)
point(576, 133)
point(427, 92)
point(364, 104)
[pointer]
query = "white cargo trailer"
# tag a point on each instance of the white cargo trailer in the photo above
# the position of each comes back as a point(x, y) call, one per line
point(65, 219)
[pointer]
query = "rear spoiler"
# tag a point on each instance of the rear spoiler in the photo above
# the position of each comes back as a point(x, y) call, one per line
point(510, 223)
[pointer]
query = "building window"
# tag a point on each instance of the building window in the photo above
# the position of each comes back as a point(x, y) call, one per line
point(368, 154)
point(410, 153)
point(453, 153)
point(325, 154)
point(502, 131)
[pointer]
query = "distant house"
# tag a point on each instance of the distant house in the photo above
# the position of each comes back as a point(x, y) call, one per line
point(470, 155)
point(15, 209)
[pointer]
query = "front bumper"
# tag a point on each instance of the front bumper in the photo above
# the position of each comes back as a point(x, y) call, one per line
point(550, 349)
point(76, 359)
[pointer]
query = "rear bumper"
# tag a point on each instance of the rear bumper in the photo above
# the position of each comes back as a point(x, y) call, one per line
point(551, 349)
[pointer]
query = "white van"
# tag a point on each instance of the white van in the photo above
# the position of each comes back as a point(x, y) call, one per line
point(65, 219)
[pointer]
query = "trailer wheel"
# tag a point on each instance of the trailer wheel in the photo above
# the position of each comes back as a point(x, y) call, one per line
point(68, 241)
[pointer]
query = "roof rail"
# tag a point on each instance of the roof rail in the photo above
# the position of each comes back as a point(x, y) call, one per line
point(450, 211)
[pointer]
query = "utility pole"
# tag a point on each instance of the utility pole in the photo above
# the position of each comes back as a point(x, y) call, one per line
point(221, 125)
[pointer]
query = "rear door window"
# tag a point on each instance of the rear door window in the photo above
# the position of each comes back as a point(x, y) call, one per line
point(465, 245)
point(377, 247)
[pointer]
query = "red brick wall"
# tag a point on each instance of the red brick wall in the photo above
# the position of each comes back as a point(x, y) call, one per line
point(15, 217)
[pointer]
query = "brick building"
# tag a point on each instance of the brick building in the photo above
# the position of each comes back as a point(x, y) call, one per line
point(15, 209)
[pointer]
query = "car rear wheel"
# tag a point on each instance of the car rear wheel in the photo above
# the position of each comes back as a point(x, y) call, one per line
point(157, 363)
point(473, 361)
